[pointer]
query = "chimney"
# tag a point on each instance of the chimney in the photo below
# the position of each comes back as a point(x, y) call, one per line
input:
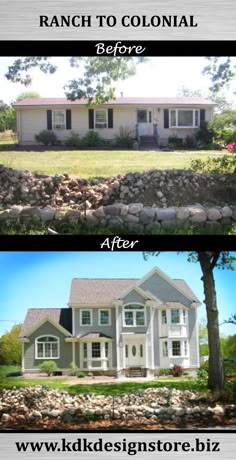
point(121, 94)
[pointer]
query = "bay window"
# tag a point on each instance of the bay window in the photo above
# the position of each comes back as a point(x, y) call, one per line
point(96, 355)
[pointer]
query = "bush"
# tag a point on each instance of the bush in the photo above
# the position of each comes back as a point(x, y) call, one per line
point(202, 374)
point(223, 165)
point(174, 142)
point(124, 139)
point(231, 147)
point(164, 371)
point(205, 365)
point(226, 136)
point(81, 375)
point(229, 368)
point(190, 142)
point(73, 368)
point(74, 140)
point(205, 136)
point(48, 367)
point(177, 371)
point(46, 137)
point(93, 139)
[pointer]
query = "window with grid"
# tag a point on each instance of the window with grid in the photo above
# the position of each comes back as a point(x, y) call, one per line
point(163, 317)
point(175, 316)
point(96, 350)
point(86, 317)
point(85, 350)
point(184, 316)
point(176, 348)
point(185, 348)
point(134, 315)
point(47, 347)
point(58, 119)
point(104, 317)
point(100, 119)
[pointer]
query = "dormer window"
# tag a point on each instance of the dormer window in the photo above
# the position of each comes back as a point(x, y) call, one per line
point(134, 315)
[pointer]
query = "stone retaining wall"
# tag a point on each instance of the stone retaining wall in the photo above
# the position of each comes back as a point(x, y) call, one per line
point(133, 217)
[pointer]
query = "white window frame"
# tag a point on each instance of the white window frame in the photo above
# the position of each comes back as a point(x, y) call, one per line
point(184, 348)
point(165, 349)
point(91, 317)
point(179, 313)
point(63, 125)
point(134, 315)
point(37, 341)
point(177, 118)
point(180, 349)
point(103, 358)
point(97, 123)
point(164, 316)
point(109, 316)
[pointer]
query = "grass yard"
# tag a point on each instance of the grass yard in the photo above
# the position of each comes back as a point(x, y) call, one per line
point(88, 164)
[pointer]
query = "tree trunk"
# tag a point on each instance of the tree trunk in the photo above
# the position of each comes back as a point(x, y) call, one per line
point(216, 370)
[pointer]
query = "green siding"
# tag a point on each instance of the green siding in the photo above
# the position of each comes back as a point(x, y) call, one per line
point(65, 348)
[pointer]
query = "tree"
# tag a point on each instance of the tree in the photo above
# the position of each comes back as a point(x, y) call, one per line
point(221, 70)
point(187, 92)
point(209, 260)
point(10, 348)
point(230, 320)
point(27, 94)
point(96, 82)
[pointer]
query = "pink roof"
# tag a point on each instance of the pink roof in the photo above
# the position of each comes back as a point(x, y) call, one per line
point(59, 101)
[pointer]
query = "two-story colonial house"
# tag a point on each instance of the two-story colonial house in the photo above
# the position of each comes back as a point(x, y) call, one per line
point(126, 327)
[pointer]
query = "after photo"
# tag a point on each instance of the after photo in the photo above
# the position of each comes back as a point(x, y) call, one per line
point(117, 341)
point(96, 145)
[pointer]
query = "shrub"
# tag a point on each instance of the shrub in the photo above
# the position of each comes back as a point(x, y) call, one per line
point(174, 142)
point(226, 136)
point(202, 374)
point(231, 147)
point(205, 136)
point(222, 165)
point(81, 375)
point(190, 142)
point(74, 140)
point(48, 367)
point(46, 137)
point(177, 370)
point(93, 139)
point(229, 368)
point(205, 365)
point(124, 139)
point(90, 374)
point(164, 371)
point(73, 368)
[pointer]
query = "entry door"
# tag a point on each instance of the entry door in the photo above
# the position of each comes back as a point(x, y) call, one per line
point(145, 122)
point(134, 353)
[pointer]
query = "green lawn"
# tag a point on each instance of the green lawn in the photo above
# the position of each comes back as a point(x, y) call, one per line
point(89, 164)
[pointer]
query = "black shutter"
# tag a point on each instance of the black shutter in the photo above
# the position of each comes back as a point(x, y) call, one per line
point(91, 118)
point(110, 118)
point(68, 119)
point(166, 118)
point(49, 119)
point(202, 116)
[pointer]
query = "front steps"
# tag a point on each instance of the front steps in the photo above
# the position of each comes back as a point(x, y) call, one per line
point(148, 143)
point(135, 372)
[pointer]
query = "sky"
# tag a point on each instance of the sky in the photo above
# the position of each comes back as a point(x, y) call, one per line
point(43, 279)
point(160, 76)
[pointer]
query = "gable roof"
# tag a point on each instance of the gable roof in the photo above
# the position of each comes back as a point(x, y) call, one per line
point(62, 316)
point(161, 101)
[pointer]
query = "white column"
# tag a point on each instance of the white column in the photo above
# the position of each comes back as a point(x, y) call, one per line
point(103, 356)
point(117, 339)
point(73, 352)
point(89, 355)
point(23, 357)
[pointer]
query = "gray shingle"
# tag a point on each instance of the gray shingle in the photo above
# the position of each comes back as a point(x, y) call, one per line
point(63, 316)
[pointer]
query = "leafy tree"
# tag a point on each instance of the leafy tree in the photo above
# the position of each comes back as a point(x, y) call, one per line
point(96, 82)
point(187, 92)
point(209, 260)
point(10, 348)
point(228, 346)
point(27, 94)
point(221, 70)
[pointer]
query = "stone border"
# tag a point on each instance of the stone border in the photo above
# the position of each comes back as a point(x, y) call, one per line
point(133, 217)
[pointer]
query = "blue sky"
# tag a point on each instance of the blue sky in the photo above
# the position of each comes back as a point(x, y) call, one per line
point(42, 279)
point(159, 76)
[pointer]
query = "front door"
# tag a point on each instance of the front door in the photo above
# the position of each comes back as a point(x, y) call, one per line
point(145, 122)
point(134, 353)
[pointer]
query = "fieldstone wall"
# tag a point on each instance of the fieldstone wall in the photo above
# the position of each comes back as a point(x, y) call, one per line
point(33, 405)
point(136, 201)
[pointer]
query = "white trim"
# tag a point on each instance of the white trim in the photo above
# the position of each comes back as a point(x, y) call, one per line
point(117, 339)
point(22, 356)
point(73, 352)
point(109, 316)
point(23, 340)
point(80, 317)
point(177, 110)
point(101, 110)
point(46, 319)
point(73, 321)
point(152, 335)
point(134, 325)
point(145, 294)
point(64, 113)
point(46, 357)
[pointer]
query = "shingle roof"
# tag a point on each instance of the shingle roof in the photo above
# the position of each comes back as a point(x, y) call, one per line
point(62, 316)
point(87, 291)
point(61, 101)
point(97, 291)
